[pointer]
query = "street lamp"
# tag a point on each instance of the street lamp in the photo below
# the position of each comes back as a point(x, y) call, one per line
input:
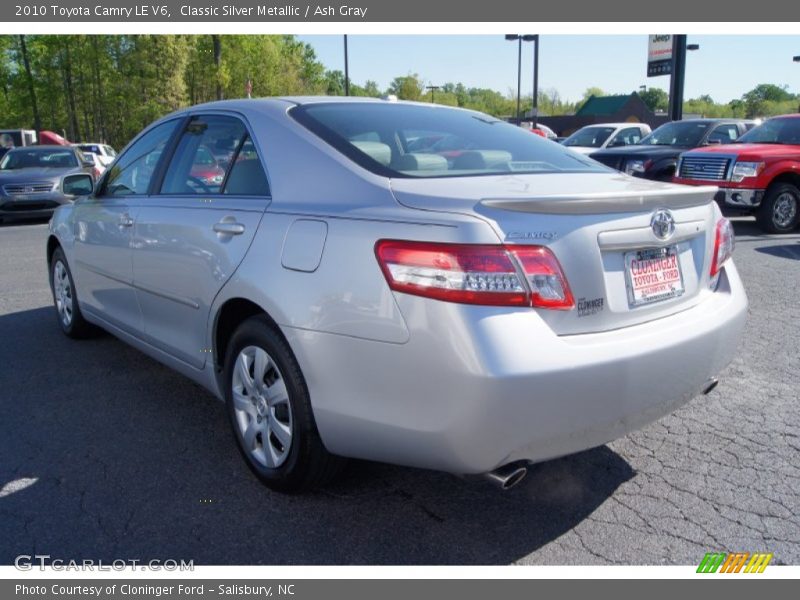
point(346, 70)
point(433, 89)
point(535, 39)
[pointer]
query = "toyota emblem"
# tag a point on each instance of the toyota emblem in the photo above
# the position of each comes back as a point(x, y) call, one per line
point(663, 224)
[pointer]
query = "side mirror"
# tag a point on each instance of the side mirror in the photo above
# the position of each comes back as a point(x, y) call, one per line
point(79, 184)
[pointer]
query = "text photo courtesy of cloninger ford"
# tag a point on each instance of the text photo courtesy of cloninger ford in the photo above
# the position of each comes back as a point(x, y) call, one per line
point(346, 300)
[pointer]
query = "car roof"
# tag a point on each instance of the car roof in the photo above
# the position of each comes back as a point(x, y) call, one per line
point(613, 125)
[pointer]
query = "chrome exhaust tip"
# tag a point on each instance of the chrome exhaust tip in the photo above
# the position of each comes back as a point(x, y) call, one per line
point(710, 385)
point(507, 476)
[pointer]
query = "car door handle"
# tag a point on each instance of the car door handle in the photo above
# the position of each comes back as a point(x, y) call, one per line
point(229, 228)
point(125, 220)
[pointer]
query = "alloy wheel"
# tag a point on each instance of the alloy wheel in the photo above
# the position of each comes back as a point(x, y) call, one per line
point(784, 210)
point(262, 408)
point(62, 289)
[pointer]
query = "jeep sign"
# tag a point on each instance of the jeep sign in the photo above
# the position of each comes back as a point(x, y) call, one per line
point(659, 55)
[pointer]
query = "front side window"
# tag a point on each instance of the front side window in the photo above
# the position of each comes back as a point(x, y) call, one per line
point(627, 137)
point(204, 153)
point(406, 140)
point(134, 170)
point(724, 134)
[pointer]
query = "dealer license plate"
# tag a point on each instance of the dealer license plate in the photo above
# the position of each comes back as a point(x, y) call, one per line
point(653, 275)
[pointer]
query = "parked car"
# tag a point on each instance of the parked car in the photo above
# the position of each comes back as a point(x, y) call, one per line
point(16, 138)
point(105, 154)
point(656, 156)
point(31, 176)
point(540, 130)
point(348, 298)
point(760, 174)
point(606, 135)
point(97, 167)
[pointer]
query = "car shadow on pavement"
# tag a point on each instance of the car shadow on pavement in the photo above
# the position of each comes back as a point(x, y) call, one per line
point(105, 454)
point(790, 251)
point(13, 221)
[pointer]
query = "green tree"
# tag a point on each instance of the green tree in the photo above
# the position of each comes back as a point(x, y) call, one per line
point(408, 87)
point(656, 99)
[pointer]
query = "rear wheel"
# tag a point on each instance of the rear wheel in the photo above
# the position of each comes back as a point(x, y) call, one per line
point(65, 299)
point(780, 210)
point(270, 411)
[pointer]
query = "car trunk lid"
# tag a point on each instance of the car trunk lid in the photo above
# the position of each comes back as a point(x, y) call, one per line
point(601, 232)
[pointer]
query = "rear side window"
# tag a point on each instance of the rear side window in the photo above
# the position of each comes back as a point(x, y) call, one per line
point(247, 177)
point(203, 155)
point(407, 140)
point(133, 171)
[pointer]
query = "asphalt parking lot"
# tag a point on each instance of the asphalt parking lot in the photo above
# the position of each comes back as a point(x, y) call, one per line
point(105, 454)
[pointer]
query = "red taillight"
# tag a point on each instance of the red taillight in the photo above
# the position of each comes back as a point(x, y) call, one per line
point(723, 246)
point(475, 274)
point(548, 285)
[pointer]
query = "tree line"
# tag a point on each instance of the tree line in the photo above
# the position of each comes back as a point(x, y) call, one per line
point(107, 87)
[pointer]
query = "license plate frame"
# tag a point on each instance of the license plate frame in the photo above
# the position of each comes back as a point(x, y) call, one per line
point(667, 287)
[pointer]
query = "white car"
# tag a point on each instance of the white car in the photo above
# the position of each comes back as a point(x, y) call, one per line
point(105, 154)
point(606, 135)
point(471, 310)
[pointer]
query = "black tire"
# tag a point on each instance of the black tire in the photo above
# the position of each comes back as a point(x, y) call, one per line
point(780, 209)
point(306, 464)
point(75, 326)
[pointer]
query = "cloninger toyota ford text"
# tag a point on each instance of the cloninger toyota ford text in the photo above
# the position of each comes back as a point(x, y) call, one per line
point(350, 291)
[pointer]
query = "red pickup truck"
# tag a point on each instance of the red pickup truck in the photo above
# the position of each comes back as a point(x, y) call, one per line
point(759, 174)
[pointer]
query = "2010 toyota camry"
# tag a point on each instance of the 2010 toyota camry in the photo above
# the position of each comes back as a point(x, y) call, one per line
point(351, 290)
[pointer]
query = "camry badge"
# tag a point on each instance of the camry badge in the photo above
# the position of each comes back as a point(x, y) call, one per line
point(663, 224)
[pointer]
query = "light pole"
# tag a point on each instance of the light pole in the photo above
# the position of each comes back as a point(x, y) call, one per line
point(797, 60)
point(678, 75)
point(433, 89)
point(519, 39)
point(346, 70)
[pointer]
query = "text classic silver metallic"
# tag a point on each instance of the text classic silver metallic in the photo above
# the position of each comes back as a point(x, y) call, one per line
point(400, 282)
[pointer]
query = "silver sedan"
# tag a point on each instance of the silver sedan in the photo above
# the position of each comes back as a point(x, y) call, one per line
point(353, 286)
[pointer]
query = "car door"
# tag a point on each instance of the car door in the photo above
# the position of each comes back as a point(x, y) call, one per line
point(103, 231)
point(190, 237)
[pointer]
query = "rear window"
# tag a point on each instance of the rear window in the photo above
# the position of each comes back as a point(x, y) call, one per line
point(407, 140)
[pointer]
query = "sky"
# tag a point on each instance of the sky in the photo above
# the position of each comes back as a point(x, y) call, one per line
point(724, 67)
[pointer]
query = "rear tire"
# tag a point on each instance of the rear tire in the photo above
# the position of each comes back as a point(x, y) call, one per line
point(65, 298)
point(780, 209)
point(270, 411)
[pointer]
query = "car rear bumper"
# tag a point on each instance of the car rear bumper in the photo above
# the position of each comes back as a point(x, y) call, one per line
point(474, 389)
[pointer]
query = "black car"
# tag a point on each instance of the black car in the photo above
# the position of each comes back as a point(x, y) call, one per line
point(31, 179)
point(657, 154)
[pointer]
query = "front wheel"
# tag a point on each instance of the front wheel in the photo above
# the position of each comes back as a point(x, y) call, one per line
point(780, 210)
point(270, 411)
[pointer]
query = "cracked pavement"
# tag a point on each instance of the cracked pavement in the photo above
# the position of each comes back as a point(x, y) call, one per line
point(105, 454)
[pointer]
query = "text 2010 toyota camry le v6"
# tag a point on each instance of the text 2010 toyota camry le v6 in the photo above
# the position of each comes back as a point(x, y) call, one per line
point(509, 301)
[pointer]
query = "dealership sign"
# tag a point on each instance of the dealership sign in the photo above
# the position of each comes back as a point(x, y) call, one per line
point(659, 55)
